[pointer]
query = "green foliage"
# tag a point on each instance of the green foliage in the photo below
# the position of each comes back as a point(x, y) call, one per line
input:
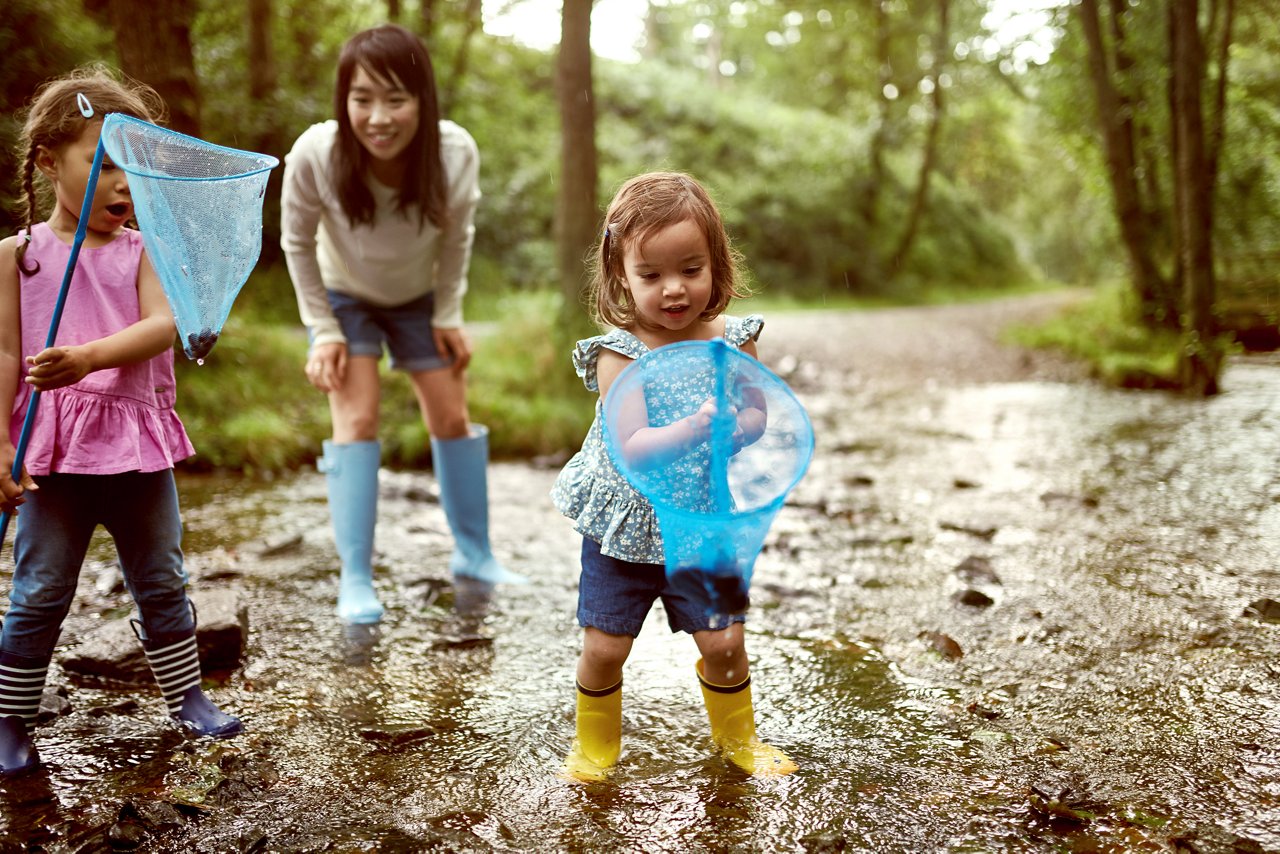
point(1106, 332)
point(248, 406)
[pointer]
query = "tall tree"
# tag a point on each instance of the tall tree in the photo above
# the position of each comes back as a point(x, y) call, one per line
point(1200, 358)
point(471, 22)
point(576, 218)
point(929, 157)
point(153, 39)
point(1109, 69)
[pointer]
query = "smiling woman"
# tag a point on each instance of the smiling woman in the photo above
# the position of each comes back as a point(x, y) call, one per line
point(617, 26)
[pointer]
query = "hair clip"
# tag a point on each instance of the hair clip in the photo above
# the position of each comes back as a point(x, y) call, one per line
point(86, 109)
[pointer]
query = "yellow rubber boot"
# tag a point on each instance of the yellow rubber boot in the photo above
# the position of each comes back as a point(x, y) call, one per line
point(733, 728)
point(599, 738)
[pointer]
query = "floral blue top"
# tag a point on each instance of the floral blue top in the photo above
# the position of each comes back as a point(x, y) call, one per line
point(590, 490)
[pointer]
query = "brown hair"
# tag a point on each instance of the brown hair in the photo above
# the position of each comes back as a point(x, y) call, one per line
point(643, 206)
point(392, 53)
point(53, 120)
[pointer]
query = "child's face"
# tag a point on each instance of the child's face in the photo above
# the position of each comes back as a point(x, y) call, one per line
point(669, 277)
point(383, 115)
point(68, 169)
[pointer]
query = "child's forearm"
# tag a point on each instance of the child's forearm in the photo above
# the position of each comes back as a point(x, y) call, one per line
point(653, 447)
point(138, 342)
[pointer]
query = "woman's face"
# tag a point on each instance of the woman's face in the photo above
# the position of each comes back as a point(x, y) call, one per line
point(384, 117)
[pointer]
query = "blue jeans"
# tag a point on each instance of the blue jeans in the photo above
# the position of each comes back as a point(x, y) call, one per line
point(405, 330)
point(139, 510)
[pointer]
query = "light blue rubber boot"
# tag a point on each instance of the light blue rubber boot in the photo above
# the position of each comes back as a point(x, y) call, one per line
point(352, 472)
point(461, 466)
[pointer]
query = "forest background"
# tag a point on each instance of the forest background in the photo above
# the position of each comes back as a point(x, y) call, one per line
point(864, 153)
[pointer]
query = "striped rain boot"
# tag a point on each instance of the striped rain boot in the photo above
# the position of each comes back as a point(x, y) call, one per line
point(21, 686)
point(175, 662)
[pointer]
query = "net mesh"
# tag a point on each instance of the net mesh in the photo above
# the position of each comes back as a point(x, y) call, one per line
point(199, 208)
point(715, 498)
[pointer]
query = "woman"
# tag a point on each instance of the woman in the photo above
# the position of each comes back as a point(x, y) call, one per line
point(377, 225)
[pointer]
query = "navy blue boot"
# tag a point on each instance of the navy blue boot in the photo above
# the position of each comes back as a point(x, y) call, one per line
point(461, 466)
point(21, 686)
point(175, 662)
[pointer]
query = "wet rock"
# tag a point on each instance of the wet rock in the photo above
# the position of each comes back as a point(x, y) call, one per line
point(54, 703)
point(1050, 498)
point(974, 598)
point(977, 709)
point(114, 652)
point(820, 843)
point(278, 545)
point(222, 629)
point(982, 533)
point(1056, 802)
point(944, 644)
point(462, 641)
point(110, 580)
point(159, 815)
point(1267, 610)
point(1212, 839)
point(124, 707)
point(976, 568)
point(398, 736)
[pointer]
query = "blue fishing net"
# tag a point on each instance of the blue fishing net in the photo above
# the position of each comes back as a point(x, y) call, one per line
point(716, 481)
point(199, 208)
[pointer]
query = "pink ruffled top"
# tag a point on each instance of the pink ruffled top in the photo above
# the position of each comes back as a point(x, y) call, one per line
point(114, 420)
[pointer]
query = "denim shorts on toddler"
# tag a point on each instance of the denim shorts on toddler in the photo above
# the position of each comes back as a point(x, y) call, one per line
point(405, 330)
point(615, 596)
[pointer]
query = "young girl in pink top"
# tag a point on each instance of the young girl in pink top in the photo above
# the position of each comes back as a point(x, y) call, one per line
point(106, 435)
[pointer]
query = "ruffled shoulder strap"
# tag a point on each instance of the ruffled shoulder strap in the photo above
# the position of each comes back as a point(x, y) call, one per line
point(740, 330)
point(586, 354)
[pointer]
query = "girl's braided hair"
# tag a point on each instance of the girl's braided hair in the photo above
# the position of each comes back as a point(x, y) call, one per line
point(53, 119)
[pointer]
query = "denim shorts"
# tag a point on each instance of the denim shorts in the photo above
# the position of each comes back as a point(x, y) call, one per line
point(615, 596)
point(405, 330)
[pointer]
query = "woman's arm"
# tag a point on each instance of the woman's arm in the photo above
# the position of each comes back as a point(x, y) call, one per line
point(462, 197)
point(301, 209)
point(150, 336)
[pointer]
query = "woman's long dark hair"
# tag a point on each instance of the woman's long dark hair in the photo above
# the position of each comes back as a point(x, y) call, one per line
point(392, 53)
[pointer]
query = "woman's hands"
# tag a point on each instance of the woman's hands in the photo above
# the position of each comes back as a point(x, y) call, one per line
point(453, 344)
point(327, 366)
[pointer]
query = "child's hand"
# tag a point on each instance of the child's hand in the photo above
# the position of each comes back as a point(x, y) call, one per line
point(11, 494)
point(57, 367)
point(700, 423)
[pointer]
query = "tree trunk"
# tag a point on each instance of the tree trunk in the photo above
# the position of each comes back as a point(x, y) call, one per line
point(1200, 359)
point(471, 25)
point(153, 38)
point(1117, 138)
point(871, 274)
point(427, 12)
point(393, 11)
point(920, 199)
point(576, 218)
point(265, 133)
